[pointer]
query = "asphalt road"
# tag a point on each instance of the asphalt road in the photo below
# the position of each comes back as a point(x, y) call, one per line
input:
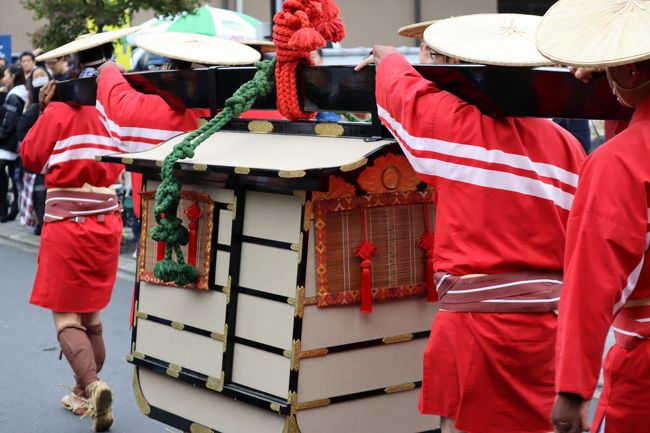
point(30, 370)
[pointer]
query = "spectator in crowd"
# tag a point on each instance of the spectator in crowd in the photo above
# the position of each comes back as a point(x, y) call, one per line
point(27, 62)
point(12, 108)
point(32, 197)
point(3, 88)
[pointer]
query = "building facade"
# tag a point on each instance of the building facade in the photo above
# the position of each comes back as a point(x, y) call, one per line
point(368, 22)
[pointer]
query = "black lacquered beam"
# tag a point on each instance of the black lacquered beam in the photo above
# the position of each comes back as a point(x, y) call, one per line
point(184, 88)
point(539, 92)
point(511, 91)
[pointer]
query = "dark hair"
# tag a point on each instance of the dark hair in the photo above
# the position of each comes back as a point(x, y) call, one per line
point(96, 53)
point(27, 53)
point(179, 64)
point(17, 72)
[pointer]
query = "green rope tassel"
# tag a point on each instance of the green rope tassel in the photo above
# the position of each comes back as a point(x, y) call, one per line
point(170, 228)
point(352, 118)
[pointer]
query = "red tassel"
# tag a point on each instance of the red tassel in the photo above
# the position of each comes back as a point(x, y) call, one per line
point(193, 214)
point(160, 251)
point(364, 251)
point(191, 256)
point(366, 289)
point(160, 247)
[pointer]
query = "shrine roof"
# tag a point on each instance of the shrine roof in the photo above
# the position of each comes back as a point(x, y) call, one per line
point(284, 155)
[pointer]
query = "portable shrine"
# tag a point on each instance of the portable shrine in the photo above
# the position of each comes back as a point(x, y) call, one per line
point(271, 337)
point(298, 230)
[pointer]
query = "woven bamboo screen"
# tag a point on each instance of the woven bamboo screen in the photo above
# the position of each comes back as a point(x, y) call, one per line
point(150, 250)
point(395, 222)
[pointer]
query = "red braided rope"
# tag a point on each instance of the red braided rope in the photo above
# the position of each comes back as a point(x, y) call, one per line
point(301, 27)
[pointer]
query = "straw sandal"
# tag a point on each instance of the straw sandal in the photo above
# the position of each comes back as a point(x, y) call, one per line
point(75, 404)
point(100, 400)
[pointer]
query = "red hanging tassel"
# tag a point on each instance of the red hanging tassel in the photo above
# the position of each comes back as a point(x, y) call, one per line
point(364, 251)
point(193, 214)
point(427, 243)
point(160, 250)
point(160, 247)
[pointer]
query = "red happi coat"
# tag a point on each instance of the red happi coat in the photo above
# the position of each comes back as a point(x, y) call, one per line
point(77, 261)
point(606, 266)
point(505, 187)
point(141, 120)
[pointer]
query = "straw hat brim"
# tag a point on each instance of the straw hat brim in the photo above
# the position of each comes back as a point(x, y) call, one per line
point(260, 45)
point(86, 42)
point(195, 48)
point(489, 39)
point(415, 31)
point(595, 33)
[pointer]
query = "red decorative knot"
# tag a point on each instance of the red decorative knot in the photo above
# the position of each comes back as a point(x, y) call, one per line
point(301, 27)
point(365, 251)
point(194, 213)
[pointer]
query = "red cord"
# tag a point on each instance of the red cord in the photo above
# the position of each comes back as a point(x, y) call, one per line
point(301, 27)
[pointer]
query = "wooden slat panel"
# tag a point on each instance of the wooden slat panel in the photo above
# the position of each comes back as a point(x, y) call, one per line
point(324, 327)
point(204, 310)
point(273, 216)
point(389, 413)
point(225, 227)
point(205, 407)
point(261, 370)
point(222, 268)
point(268, 269)
point(265, 321)
point(193, 351)
point(360, 370)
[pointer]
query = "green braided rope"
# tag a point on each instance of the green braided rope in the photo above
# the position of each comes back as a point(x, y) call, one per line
point(352, 118)
point(170, 228)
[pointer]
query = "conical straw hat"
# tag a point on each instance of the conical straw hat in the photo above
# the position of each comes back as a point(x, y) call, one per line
point(85, 42)
point(414, 31)
point(190, 47)
point(596, 33)
point(260, 45)
point(489, 39)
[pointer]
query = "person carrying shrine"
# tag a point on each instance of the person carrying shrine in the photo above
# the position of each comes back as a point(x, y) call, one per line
point(80, 240)
point(505, 186)
point(151, 118)
point(426, 55)
point(607, 276)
